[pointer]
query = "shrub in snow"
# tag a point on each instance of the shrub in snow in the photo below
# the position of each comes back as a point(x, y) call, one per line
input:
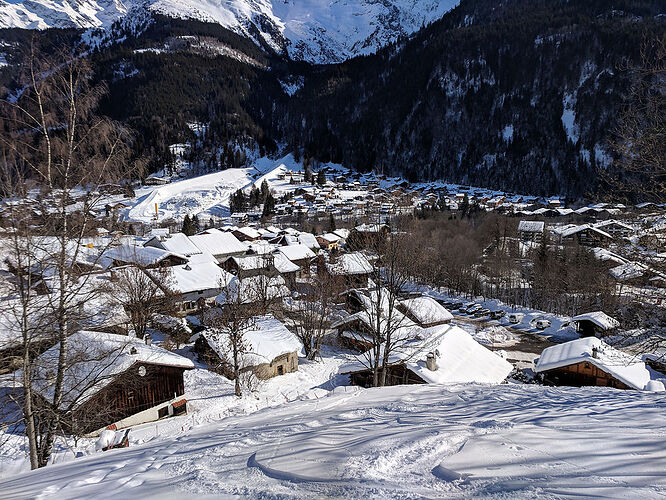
point(106, 438)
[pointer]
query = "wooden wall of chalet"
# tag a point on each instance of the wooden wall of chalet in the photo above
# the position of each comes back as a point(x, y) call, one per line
point(582, 374)
point(396, 375)
point(129, 393)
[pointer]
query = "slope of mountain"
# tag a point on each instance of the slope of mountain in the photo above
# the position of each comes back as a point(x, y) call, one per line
point(521, 96)
point(43, 14)
point(322, 31)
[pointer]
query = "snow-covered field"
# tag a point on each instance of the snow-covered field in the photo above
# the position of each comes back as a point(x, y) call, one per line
point(509, 441)
point(210, 398)
point(207, 194)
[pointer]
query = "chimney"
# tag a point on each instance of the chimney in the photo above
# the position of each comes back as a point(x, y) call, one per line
point(595, 352)
point(147, 338)
point(431, 361)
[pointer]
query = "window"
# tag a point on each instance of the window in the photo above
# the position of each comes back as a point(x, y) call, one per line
point(163, 412)
point(280, 370)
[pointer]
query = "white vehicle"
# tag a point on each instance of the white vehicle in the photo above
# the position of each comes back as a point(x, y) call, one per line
point(515, 318)
point(542, 324)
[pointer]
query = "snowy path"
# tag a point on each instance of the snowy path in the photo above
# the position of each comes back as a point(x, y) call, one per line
point(413, 441)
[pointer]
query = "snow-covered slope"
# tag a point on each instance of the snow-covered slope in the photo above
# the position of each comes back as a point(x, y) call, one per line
point(406, 441)
point(42, 14)
point(313, 30)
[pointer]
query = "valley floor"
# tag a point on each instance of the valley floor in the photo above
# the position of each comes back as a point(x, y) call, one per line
point(519, 441)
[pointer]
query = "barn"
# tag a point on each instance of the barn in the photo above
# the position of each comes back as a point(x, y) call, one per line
point(113, 379)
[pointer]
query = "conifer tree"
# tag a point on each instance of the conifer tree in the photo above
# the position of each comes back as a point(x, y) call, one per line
point(269, 205)
point(188, 227)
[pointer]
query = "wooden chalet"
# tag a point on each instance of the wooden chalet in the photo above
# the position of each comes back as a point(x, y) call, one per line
point(592, 362)
point(353, 268)
point(114, 380)
point(596, 323)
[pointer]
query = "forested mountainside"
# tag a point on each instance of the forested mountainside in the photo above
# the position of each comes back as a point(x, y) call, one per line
point(520, 95)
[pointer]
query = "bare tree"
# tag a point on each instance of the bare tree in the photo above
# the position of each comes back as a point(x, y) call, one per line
point(228, 324)
point(312, 311)
point(55, 152)
point(390, 330)
point(639, 140)
point(144, 293)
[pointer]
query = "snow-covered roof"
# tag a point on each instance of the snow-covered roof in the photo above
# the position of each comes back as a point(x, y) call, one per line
point(193, 277)
point(265, 340)
point(283, 264)
point(95, 360)
point(613, 222)
point(144, 256)
point(624, 367)
point(531, 226)
point(309, 240)
point(253, 289)
point(330, 237)
point(350, 263)
point(599, 318)
point(461, 359)
point(427, 310)
point(571, 229)
point(250, 232)
point(629, 270)
point(253, 262)
point(342, 233)
point(178, 243)
point(297, 252)
point(260, 247)
point(217, 243)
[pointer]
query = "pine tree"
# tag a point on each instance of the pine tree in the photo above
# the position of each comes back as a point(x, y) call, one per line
point(307, 175)
point(237, 202)
point(255, 197)
point(269, 205)
point(331, 224)
point(188, 228)
point(196, 225)
point(321, 178)
point(464, 206)
point(264, 190)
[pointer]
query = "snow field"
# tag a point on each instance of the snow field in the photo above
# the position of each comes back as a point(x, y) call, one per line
point(411, 441)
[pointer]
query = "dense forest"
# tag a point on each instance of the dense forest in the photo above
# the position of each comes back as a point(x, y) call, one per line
point(520, 95)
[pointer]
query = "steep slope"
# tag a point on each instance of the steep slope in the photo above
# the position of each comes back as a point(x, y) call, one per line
point(406, 441)
point(322, 31)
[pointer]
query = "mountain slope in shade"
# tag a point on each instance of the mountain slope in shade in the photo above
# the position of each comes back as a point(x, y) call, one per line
point(322, 31)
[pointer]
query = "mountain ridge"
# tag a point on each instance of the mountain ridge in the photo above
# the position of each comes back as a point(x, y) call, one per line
point(318, 31)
